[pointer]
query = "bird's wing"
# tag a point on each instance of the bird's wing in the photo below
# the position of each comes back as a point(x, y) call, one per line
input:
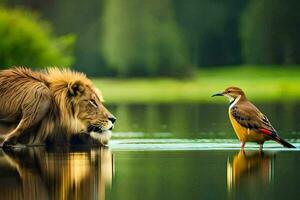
point(250, 117)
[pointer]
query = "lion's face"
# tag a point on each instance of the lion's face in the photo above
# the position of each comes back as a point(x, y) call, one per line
point(91, 114)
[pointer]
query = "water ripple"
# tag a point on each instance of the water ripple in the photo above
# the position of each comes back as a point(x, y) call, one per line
point(191, 144)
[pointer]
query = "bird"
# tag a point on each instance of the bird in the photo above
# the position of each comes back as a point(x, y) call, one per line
point(249, 123)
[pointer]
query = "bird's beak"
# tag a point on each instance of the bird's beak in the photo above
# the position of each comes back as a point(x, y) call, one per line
point(218, 94)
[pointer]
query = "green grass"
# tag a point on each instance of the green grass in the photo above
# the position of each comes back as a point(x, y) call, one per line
point(260, 83)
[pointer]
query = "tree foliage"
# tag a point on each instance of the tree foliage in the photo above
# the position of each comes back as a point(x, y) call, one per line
point(270, 32)
point(141, 37)
point(167, 37)
point(211, 29)
point(28, 41)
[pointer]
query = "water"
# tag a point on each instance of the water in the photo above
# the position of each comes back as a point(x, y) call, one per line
point(197, 121)
point(175, 151)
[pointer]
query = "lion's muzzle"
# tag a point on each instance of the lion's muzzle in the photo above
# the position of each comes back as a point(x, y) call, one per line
point(102, 133)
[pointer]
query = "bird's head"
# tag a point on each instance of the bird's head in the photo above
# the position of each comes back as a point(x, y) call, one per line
point(232, 93)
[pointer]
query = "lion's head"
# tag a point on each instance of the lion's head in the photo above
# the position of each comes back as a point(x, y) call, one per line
point(80, 104)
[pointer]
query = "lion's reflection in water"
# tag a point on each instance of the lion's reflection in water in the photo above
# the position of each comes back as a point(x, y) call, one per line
point(37, 173)
point(246, 169)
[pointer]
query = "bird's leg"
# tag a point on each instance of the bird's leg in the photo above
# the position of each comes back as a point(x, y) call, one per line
point(261, 147)
point(242, 144)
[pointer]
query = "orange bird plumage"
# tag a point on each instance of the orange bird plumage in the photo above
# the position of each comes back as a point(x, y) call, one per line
point(249, 124)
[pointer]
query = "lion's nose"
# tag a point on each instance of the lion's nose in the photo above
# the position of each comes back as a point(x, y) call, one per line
point(112, 119)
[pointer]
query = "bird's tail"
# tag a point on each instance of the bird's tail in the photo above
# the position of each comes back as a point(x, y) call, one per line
point(274, 136)
point(284, 143)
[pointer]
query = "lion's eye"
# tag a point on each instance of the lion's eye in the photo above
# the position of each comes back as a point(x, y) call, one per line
point(93, 102)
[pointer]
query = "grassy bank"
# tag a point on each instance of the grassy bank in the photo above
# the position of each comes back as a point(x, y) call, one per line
point(260, 83)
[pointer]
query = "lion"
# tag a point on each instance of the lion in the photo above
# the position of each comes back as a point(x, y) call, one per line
point(54, 106)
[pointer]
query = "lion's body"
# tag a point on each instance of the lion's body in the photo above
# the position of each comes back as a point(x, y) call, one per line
point(49, 106)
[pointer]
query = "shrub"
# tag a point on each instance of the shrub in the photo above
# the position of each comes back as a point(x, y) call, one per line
point(26, 40)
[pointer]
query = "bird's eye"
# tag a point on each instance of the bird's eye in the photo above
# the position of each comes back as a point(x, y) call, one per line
point(93, 102)
point(228, 91)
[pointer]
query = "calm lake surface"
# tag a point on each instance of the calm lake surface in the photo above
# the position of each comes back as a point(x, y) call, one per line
point(169, 151)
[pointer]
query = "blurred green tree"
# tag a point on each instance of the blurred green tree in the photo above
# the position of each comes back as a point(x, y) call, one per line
point(270, 32)
point(64, 16)
point(141, 37)
point(28, 41)
point(211, 29)
point(3, 2)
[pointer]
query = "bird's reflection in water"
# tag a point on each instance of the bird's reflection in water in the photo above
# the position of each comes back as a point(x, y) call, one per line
point(37, 173)
point(249, 169)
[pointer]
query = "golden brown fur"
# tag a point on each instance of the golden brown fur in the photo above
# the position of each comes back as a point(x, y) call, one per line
point(51, 106)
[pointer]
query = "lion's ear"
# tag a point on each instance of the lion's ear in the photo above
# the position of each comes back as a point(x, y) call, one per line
point(75, 88)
